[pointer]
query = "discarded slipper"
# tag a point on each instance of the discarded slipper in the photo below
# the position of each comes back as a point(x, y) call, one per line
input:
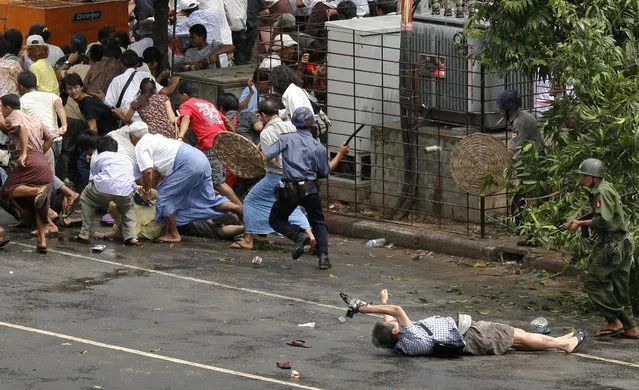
point(608, 332)
point(4, 242)
point(41, 198)
point(284, 365)
point(582, 337)
point(298, 343)
point(622, 335)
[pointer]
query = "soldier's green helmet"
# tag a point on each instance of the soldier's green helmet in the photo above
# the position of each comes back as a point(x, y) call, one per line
point(591, 167)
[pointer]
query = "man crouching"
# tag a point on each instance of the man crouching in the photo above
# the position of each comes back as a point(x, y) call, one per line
point(429, 336)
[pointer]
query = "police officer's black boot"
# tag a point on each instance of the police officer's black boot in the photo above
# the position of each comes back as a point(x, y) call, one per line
point(302, 240)
point(324, 263)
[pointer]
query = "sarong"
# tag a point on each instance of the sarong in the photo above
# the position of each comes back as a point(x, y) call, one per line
point(188, 191)
point(37, 173)
point(258, 204)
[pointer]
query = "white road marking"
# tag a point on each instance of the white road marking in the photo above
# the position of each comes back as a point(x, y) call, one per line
point(243, 289)
point(156, 356)
point(189, 278)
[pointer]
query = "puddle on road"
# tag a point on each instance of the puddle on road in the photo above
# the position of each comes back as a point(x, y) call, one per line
point(79, 284)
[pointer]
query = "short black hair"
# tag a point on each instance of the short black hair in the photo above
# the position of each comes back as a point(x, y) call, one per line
point(41, 30)
point(387, 6)
point(347, 9)
point(86, 140)
point(227, 102)
point(260, 75)
point(14, 40)
point(11, 100)
point(129, 59)
point(105, 33)
point(123, 38)
point(112, 49)
point(269, 106)
point(96, 52)
point(383, 336)
point(187, 88)
point(4, 47)
point(73, 79)
point(27, 79)
point(107, 144)
point(151, 54)
point(199, 30)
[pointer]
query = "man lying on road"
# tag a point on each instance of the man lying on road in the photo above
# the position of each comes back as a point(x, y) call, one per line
point(421, 338)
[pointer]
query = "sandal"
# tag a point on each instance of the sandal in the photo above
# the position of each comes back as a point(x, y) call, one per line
point(80, 239)
point(608, 332)
point(41, 249)
point(130, 242)
point(41, 198)
point(298, 343)
point(582, 337)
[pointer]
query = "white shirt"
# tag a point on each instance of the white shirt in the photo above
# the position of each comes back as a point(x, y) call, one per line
point(216, 7)
point(271, 61)
point(113, 174)
point(293, 98)
point(271, 133)
point(362, 7)
point(117, 84)
point(157, 152)
point(236, 14)
point(121, 136)
point(141, 45)
point(41, 105)
point(206, 18)
point(55, 53)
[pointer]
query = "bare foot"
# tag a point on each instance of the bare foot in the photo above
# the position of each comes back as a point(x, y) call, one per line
point(168, 238)
point(242, 244)
point(634, 332)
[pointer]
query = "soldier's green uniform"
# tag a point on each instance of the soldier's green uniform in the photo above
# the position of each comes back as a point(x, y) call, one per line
point(608, 275)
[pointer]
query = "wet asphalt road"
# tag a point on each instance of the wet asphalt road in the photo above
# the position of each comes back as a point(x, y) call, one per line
point(199, 315)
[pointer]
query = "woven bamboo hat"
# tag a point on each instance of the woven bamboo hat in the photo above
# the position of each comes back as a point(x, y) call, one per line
point(238, 155)
point(477, 157)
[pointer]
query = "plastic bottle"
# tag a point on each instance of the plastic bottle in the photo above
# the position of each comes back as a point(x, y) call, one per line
point(377, 243)
point(540, 325)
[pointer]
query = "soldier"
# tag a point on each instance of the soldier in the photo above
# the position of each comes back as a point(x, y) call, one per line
point(304, 161)
point(609, 272)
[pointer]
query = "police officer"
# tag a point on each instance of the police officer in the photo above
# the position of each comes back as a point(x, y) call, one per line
point(609, 272)
point(304, 160)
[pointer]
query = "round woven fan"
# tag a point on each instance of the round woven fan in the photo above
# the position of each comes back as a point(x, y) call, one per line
point(476, 159)
point(238, 155)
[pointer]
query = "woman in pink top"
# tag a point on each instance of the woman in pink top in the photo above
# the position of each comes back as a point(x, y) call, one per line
point(154, 108)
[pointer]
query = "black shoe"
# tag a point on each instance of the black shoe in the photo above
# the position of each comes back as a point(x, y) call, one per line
point(302, 240)
point(324, 263)
point(353, 304)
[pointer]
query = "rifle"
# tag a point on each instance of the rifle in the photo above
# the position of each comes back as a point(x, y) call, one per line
point(585, 232)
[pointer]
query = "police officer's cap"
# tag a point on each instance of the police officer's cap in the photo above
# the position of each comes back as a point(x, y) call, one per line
point(591, 167)
point(303, 118)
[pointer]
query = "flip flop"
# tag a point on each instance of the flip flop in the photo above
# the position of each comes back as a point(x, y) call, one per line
point(43, 193)
point(41, 249)
point(283, 365)
point(582, 337)
point(4, 242)
point(129, 242)
point(622, 335)
point(237, 245)
point(80, 239)
point(608, 332)
point(298, 343)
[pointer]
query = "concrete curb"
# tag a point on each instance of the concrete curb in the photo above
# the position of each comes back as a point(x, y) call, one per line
point(452, 244)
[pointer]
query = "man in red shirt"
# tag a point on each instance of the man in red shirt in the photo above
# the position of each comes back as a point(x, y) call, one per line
point(200, 122)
